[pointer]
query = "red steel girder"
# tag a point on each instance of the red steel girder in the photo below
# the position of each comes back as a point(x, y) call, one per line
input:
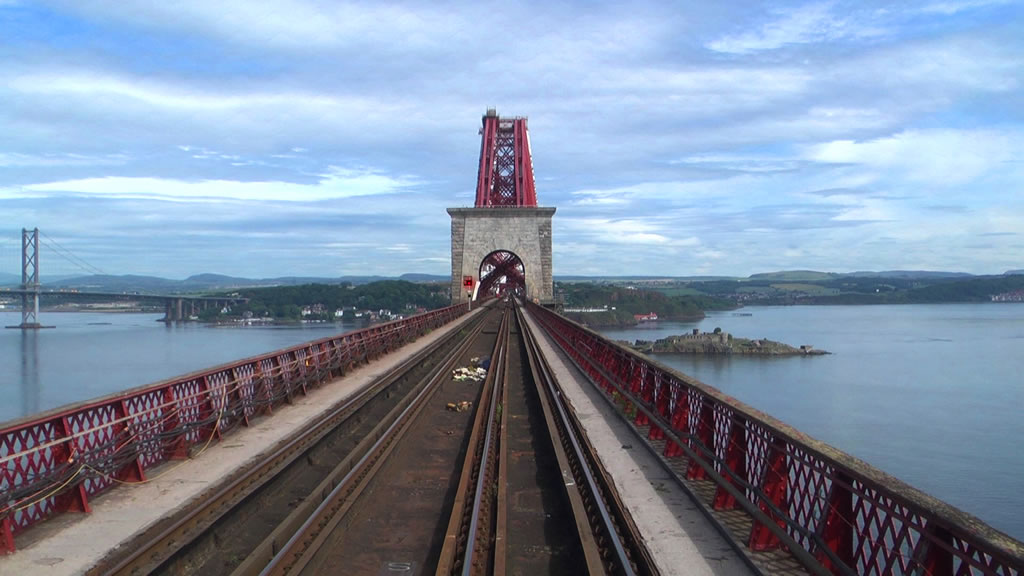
point(505, 177)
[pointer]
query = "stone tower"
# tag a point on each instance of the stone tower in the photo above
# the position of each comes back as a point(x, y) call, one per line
point(503, 244)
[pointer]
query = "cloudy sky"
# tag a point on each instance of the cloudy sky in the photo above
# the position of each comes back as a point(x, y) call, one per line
point(308, 137)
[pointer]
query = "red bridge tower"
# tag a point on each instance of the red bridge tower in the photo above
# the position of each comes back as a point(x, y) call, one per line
point(506, 169)
point(503, 244)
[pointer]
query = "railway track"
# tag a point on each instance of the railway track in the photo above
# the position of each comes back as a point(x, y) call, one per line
point(421, 473)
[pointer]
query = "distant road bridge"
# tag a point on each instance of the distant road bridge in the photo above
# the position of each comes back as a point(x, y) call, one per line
point(177, 307)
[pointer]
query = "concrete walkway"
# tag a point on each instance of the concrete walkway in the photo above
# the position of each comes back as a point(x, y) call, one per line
point(73, 543)
point(678, 535)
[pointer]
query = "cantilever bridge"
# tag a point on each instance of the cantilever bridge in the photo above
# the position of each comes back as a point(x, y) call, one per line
point(784, 502)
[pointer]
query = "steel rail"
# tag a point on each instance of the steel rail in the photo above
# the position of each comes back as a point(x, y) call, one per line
point(471, 558)
point(612, 521)
point(588, 542)
point(263, 554)
point(500, 553)
point(299, 550)
point(456, 533)
point(156, 551)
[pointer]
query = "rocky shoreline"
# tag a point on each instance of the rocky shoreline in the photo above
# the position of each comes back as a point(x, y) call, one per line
point(721, 343)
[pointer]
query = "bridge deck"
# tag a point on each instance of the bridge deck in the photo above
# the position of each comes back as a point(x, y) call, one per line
point(678, 535)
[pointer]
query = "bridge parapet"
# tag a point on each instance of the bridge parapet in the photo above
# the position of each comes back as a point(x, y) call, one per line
point(834, 513)
point(57, 461)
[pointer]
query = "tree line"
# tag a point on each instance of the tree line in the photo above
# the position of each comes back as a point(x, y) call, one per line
point(287, 302)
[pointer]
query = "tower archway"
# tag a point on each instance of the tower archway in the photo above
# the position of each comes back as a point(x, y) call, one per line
point(502, 273)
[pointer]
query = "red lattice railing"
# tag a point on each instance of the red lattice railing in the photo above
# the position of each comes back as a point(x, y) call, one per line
point(56, 461)
point(834, 513)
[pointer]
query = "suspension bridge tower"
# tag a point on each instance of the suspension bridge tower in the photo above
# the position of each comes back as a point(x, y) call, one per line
point(29, 280)
point(503, 244)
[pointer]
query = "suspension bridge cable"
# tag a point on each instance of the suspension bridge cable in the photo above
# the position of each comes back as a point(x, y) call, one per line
point(68, 255)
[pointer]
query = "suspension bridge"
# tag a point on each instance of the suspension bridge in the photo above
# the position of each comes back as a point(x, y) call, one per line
point(30, 289)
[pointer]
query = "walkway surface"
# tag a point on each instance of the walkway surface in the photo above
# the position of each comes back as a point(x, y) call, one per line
point(678, 535)
point(680, 538)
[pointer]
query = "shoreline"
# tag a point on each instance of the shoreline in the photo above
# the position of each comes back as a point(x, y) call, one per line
point(721, 344)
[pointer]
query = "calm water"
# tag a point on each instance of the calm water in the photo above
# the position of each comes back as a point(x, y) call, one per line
point(932, 394)
point(90, 355)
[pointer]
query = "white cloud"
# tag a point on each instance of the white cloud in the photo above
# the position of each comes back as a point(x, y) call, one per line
point(935, 157)
point(305, 25)
point(61, 159)
point(633, 231)
point(935, 69)
point(809, 24)
point(168, 95)
point(338, 183)
point(741, 162)
point(949, 8)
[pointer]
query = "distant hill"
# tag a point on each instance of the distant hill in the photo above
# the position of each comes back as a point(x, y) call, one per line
point(206, 282)
point(424, 278)
point(814, 276)
point(794, 276)
point(640, 279)
point(1013, 272)
point(910, 274)
point(111, 283)
point(9, 279)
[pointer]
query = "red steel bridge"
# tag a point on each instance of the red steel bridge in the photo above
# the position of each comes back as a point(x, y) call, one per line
point(830, 511)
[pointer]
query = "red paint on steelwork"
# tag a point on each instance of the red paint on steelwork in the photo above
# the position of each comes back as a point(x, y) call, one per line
point(706, 439)
point(735, 463)
point(773, 489)
point(679, 421)
point(841, 514)
point(57, 461)
point(505, 176)
point(837, 533)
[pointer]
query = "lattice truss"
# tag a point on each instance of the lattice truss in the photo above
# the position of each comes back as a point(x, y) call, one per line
point(506, 168)
point(501, 273)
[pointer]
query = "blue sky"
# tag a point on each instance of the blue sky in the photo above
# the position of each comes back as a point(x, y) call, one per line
point(306, 137)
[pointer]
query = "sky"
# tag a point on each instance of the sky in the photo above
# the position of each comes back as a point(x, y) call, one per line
point(326, 138)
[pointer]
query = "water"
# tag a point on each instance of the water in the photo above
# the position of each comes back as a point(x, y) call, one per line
point(931, 394)
point(89, 355)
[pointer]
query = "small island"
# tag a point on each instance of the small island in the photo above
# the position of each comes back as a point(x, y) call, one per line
point(719, 343)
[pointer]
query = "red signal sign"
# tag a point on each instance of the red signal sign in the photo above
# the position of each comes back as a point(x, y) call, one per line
point(467, 282)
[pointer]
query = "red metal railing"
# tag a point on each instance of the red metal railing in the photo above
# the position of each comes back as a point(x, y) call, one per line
point(835, 513)
point(57, 461)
